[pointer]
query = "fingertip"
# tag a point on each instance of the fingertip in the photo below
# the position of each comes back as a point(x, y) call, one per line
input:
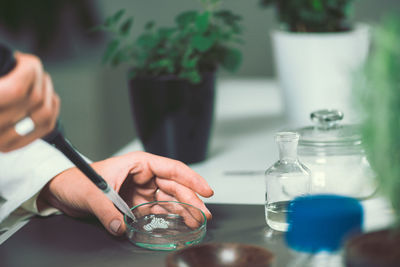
point(212, 192)
point(208, 214)
point(109, 216)
point(208, 192)
point(116, 227)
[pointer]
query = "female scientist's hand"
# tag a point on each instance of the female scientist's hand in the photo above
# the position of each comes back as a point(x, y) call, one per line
point(138, 177)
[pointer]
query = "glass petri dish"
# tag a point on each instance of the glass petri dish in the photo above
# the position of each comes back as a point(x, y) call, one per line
point(166, 225)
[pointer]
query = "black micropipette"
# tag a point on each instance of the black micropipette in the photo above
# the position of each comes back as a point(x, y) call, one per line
point(57, 139)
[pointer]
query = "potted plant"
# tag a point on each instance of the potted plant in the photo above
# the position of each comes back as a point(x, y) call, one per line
point(316, 50)
point(172, 76)
point(379, 90)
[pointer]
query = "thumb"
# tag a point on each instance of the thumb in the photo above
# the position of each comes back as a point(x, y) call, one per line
point(108, 214)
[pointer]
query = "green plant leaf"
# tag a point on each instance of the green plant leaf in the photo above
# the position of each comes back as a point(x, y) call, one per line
point(313, 15)
point(203, 42)
point(111, 21)
point(190, 63)
point(147, 41)
point(166, 32)
point(192, 75)
point(202, 21)
point(231, 59)
point(378, 93)
point(164, 63)
point(186, 18)
point(118, 57)
point(198, 41)
point(227, 16)
point(126, 27)
point(231, 21)
point(110, 50)
point(317, 5)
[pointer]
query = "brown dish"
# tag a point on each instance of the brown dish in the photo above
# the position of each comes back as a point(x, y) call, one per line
point(221, 255)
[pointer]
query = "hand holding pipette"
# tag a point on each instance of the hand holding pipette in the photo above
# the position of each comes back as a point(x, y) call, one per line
point(137, 176)
point(57, 139)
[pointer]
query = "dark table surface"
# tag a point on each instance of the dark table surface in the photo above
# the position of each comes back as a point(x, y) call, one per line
point(63, 241)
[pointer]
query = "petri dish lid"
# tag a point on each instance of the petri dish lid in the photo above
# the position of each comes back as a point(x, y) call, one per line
point(328, 136)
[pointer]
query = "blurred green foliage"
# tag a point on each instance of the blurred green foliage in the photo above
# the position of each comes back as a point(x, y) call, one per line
point(313, 15)
point(199, 41)
point(379, 92)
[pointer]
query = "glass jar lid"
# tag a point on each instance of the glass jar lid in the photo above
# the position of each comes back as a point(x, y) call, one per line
point(328, 136)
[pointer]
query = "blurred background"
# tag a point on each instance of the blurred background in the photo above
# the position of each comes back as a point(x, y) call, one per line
point(95, 103)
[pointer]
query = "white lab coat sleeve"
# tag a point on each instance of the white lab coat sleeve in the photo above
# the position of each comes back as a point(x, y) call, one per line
point(24, 172)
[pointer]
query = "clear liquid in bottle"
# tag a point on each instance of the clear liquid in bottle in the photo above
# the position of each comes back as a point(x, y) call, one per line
point(275, 215)
point(285, 179)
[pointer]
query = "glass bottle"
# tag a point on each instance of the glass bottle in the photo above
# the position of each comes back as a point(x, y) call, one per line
point(285, 180)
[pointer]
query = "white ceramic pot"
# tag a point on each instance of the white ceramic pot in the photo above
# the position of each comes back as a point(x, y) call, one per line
point(315, 70)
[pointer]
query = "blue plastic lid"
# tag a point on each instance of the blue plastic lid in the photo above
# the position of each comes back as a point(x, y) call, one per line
point(322, 222)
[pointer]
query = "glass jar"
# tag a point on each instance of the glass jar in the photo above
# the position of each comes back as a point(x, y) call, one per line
point(285, 180)
point(335, 156)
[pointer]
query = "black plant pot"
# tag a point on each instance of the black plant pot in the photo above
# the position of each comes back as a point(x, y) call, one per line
point(173, 117)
